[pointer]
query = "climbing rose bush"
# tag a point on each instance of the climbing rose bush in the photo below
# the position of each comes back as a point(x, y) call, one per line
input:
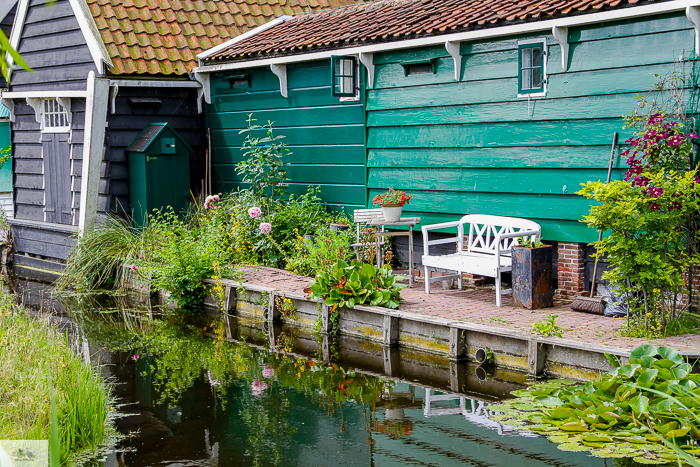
point(649, 218)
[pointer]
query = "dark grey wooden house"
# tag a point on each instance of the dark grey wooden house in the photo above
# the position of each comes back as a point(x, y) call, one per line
point(102, 72)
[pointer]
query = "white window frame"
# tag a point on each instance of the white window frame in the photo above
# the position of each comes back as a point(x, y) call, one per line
point(545, 51)
point(356, 97)
point(63, 104)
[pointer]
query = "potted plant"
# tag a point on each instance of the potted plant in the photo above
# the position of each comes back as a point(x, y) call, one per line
point(532, 274)
point(392, 203)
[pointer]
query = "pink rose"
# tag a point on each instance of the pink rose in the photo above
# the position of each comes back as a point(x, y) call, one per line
point(265, 227)
point(268, 372)
point(254, 212)
point(258, 387)
point(208, 202)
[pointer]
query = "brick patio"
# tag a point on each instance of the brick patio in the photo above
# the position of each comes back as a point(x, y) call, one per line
point(478, 305)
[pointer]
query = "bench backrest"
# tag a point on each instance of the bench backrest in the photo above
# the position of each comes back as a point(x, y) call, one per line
point(483, 230)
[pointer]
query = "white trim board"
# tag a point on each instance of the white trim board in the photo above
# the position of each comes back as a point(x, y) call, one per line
point(511, 30)
point(40, 94)
point(17, 25)
point(92, 36)
point(242, 37)
point(141, 83)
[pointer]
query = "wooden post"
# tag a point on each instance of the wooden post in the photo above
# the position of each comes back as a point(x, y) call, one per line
point(390, 331)
point(391, 360)
point(96, 105)
point(272, 314)
point(458, 344)
point(535, 357)
point(326, 324)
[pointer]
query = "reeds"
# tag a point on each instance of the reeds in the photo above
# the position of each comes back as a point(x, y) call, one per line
point(32, 353)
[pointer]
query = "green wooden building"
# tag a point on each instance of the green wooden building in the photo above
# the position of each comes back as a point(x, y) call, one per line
point(474, 108)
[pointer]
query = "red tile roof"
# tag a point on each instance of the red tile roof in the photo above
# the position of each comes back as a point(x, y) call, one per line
point(394, 20)
point(163, 36)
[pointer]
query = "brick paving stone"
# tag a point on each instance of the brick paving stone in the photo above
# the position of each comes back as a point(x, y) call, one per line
point(478, 305)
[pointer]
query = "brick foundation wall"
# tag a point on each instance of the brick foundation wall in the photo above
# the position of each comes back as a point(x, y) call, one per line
point(570, 274)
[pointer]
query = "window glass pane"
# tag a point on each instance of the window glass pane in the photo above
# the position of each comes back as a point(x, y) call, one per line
point(527, 56)
point(527, 79)
point(536, 56)
point(536, 78)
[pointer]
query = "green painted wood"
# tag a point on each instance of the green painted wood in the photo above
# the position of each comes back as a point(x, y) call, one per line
point(331, 194)
point(336, 134)
point(299, 75)
point(6, 171)
point(499, 180)
point(552, 230)
point(340, 155)
point(603, 106)
point(550, 133)
point(311, 174)
point(330, 115)
point(575, 157)
point(325, 136)
point(589, 83)
point(630, 27)
point(541, 206)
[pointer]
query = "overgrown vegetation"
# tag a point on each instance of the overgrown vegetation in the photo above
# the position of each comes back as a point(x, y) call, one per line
point(32, 353)
point(651, 214)
point(648, 410)
point(259, 225)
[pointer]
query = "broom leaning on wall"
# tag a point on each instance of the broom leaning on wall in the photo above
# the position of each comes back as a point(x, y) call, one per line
point(590, 304)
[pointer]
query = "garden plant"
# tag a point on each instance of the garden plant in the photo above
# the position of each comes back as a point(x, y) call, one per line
point(650, 216)
point(648, 410)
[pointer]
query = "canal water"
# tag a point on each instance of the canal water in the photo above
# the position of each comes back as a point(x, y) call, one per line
point(231, 392)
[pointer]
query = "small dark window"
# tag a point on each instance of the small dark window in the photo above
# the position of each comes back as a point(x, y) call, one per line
point(417, 67)
point(238, 80)
point(531, 58)
point(344, 72)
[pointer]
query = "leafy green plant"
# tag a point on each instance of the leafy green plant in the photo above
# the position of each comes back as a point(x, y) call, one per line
point(528, 242)
point(357, 284)
point(322, 252)
point(648, 409)
point(651, 215)
point(263, 167)
point(547, 327)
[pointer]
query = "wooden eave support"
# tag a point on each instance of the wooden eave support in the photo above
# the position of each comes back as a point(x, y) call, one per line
point(561, 35)
point(367, 60)
point(693, 15)
point(453, 49)
point(281, 72)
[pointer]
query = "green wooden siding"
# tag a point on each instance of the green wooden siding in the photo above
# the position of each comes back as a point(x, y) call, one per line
point(473, 147)
point(326, 136)
point(6, 171)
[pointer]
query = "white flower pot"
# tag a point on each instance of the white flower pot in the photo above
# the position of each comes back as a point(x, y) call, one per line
point(392, 212)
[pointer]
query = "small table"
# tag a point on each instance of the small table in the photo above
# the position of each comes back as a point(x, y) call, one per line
point(407, 221)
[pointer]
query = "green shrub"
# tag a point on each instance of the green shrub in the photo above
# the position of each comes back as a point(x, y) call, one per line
point(358, 284)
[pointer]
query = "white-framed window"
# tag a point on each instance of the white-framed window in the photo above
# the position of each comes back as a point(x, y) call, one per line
point(54, 117)
point(532, 68)
point(345, 72)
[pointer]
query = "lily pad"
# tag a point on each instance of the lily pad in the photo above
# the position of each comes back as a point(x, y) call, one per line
point(572, 447)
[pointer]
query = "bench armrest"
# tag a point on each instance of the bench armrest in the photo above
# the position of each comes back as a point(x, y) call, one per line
point(444, 225)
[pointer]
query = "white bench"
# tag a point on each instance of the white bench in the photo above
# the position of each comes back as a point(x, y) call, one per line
point(487, 252)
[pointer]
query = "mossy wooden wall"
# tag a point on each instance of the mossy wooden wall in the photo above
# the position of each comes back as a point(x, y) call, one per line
point(472, 147)
point(326, 136)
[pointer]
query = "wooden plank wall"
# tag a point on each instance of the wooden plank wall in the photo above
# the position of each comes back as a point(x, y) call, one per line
point(326, 136)
point(178, 108)
point(471, 147)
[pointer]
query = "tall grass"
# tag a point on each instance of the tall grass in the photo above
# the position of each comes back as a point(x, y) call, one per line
point(98, 256)
point(31, 353)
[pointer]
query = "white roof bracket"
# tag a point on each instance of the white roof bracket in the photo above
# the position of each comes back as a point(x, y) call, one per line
point(561, 35)
point(10, 104)
point(113, 98)
point(205, 91)
point(367, 59)
point(693, 15)
point(35, 103)
point(453, 49)
point(280, 70)
point(65, 103)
